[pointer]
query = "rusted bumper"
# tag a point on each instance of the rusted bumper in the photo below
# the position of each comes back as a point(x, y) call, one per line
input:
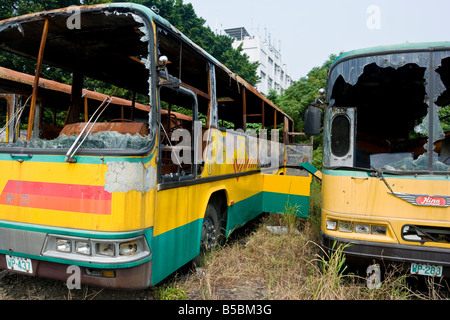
point(133, 278)
point(358, 252)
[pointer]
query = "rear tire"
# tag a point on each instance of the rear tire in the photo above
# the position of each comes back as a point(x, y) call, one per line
point(212, 236)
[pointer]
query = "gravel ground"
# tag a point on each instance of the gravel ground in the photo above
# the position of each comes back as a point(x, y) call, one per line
point(15, 286)
point(22, 287)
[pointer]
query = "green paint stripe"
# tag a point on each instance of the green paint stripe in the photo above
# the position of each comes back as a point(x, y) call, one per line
point(309, 167)
point(380, 50)
point(346, 173)
point(286, 204)
point(243, 211)
point(72, 232)
point(80, 159)
point(175, 248)
point(352, 173)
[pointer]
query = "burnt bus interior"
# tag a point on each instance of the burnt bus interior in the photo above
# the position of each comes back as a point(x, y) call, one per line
point(107, 55)
point(238, 103)
point(392, 114)
point(112, 53)
point(197, 85)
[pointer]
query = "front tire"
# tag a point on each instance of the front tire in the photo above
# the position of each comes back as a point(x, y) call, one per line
point(211, 237)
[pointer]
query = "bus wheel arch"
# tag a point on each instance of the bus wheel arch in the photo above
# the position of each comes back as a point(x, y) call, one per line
point(214, 222)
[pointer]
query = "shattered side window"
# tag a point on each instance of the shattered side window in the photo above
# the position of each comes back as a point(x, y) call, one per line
point(442, 141)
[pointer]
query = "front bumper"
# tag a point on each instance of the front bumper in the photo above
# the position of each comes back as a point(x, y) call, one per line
point(129, 270)
point(387, 252)
point(133, 278)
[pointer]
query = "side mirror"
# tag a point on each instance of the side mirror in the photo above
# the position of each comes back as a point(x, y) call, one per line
point(313, 121)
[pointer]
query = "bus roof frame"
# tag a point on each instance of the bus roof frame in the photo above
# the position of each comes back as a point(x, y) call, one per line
point(390, 49)
point(145, 12)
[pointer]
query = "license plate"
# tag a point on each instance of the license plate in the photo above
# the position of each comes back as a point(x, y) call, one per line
point(426, 269)
point(19, 264)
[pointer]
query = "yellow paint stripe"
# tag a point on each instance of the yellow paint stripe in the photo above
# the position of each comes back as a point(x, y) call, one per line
point(287, 184)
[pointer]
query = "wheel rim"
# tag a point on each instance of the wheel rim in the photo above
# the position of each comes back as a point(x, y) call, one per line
point(209, 238)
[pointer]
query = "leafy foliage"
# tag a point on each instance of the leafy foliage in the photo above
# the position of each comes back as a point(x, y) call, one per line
point(273, 96)
point(14, 8)
point(181, 15)
point(184, 18)
point(295, 100)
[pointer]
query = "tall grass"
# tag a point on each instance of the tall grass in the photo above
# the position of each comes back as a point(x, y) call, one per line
point(291, 266)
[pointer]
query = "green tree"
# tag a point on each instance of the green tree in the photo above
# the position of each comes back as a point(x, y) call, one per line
point(12, 8)
point(181, 15)
point(184, 18)
point(296, 99)
point(273, 96)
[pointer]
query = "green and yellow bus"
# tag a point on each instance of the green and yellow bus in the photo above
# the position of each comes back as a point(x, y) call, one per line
point(130, 186)
point(385, 178)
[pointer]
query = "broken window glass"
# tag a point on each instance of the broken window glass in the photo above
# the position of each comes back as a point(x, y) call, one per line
point(402, 106)
point(108, 61)
point(100, 140)
point(3, 119)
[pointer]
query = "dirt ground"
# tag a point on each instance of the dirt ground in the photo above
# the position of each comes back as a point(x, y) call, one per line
point(14, 286)
point(22, 287)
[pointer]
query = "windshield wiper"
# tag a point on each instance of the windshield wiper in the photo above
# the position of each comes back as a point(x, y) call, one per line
point(77, 143)
point(379, 174)
point(373, 173)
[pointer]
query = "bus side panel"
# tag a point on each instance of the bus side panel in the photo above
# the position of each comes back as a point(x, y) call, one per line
point(174, 248)
point(179, 218)
point(180, 211)
point(283, 193)
point(177, 230)
point(69, 195)
point(243, 211)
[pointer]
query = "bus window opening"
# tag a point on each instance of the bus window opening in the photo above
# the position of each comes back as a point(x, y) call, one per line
point(391, 116)
point(104, 102)
point(340, 135)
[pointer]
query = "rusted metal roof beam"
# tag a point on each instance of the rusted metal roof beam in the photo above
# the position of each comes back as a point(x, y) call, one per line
point(36, 80)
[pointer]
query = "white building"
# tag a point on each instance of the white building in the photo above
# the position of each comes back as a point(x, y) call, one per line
point(271, 70)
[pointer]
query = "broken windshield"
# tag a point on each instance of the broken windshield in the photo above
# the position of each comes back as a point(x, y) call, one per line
point(104, 58)
point(401, 105)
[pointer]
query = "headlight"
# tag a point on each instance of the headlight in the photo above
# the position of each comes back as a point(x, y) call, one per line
point(128, 248)
point(83, 247)
point(106, 249)
point(378, 230)
point(96, 250)
point(63, 245)
point(345, 226)
point(331, 225)
point(362, 228)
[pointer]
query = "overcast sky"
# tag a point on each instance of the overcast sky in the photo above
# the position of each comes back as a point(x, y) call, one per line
point(309, 31)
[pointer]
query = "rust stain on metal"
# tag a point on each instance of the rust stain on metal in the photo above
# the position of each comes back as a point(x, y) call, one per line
point(121, 127)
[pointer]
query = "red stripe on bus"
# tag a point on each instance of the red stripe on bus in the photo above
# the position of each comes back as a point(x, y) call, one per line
point(55, 196)
point(57, 190)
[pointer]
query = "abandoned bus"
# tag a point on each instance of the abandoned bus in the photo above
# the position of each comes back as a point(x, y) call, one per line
point(386, 158)
point(131, 185)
